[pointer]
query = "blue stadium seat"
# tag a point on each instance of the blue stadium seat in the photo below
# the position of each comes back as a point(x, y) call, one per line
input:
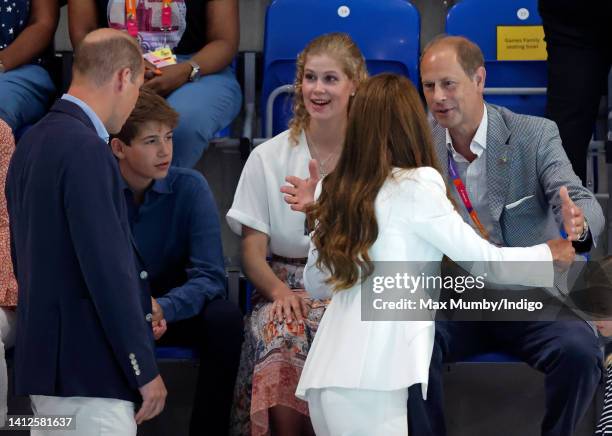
point(491, 358)
point(387, 32)
point(176, 353)
point(223, 133)
point(226, 131)
point(478, 20)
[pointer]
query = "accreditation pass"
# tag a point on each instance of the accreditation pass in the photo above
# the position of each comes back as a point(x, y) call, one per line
point(39, 422)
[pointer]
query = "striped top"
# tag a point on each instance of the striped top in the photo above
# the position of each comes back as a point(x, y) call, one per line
point(604, 427)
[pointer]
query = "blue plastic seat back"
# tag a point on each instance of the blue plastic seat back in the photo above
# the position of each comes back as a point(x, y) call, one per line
point(176, 353)
point(478, 21)
point(492, 357)
point(386, 31)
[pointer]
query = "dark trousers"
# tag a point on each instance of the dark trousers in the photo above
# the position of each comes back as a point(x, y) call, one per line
point(577, 78)
point(567, 352)
point(217, 333)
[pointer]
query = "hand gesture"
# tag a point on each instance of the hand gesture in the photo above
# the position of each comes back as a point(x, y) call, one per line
point(289, 306)
point(301, 192)
point(153, 400)
point(573, 218)
point(563, 252)
point(171, 77)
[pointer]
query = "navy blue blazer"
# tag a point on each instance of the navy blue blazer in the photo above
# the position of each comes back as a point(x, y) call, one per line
point(82, 326)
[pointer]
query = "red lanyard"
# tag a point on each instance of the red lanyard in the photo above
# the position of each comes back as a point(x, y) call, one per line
point(131, 19)
point(166, 18)
point(465, 198)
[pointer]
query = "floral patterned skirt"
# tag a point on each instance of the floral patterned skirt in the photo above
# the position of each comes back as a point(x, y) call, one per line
point(273, 355)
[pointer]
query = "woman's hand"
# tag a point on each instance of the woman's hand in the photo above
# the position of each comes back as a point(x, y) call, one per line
point(563, 253)
point(151, 71)
point(289, 306)
point(301, 191)
point(170, 78)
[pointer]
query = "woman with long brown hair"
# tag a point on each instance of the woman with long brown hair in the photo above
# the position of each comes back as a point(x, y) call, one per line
point(385, 201)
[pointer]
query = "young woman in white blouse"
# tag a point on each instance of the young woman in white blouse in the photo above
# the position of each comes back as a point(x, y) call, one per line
point(385, 201)
point(282, 325)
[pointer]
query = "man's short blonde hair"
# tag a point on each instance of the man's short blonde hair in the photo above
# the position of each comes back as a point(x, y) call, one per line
point(98, 58)
point(469, 55)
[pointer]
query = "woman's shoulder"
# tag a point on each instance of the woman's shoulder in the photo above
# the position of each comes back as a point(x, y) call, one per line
point(278, 155)
point(418, 193)
point(418, 178)
point(275, 146)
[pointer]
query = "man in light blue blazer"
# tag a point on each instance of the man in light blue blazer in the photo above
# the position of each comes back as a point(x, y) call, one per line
point(524, 191)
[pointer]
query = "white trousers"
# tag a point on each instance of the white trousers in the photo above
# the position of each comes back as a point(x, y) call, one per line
point(358, 412)
point(8, 321)
point(93, 416)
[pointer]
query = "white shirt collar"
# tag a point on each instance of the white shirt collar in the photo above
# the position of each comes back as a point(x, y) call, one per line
point(479, 142)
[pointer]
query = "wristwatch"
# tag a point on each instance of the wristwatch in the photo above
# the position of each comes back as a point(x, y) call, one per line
point(195, 71)
point(585, 231)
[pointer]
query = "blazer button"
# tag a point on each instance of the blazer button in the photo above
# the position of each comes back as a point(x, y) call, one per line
point(149, 317)
point(144, 275)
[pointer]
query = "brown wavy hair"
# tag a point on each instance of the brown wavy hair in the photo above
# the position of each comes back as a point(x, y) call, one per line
point(387, 128)
point(338, 46)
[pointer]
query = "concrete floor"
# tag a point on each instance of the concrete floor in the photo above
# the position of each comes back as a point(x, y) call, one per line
point(509, 403)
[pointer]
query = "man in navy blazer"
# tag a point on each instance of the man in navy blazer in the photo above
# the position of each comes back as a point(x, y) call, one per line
point(84, 342)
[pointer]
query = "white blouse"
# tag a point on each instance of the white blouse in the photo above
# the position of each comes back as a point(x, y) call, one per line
point(416, 222)
point(258, 202)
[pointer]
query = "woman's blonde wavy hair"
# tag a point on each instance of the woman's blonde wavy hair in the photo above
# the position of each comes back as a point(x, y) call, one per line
point(387, 128)
point(338, 46)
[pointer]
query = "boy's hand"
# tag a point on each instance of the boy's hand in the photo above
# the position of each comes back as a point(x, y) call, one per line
point(157, 311)
point(159, 328)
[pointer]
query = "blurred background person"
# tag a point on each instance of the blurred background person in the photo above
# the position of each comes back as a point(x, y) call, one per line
point(201, 85)
point(579, 45)
point(8, 284)
point(26, 37)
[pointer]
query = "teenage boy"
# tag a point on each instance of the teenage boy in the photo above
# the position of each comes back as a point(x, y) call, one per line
point(175, 223)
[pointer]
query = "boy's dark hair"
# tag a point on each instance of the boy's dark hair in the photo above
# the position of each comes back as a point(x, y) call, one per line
point(149, 107)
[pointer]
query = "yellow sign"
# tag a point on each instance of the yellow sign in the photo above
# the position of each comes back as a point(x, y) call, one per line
point(520, 43)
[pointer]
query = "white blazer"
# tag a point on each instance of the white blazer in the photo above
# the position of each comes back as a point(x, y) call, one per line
point(416, 222)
